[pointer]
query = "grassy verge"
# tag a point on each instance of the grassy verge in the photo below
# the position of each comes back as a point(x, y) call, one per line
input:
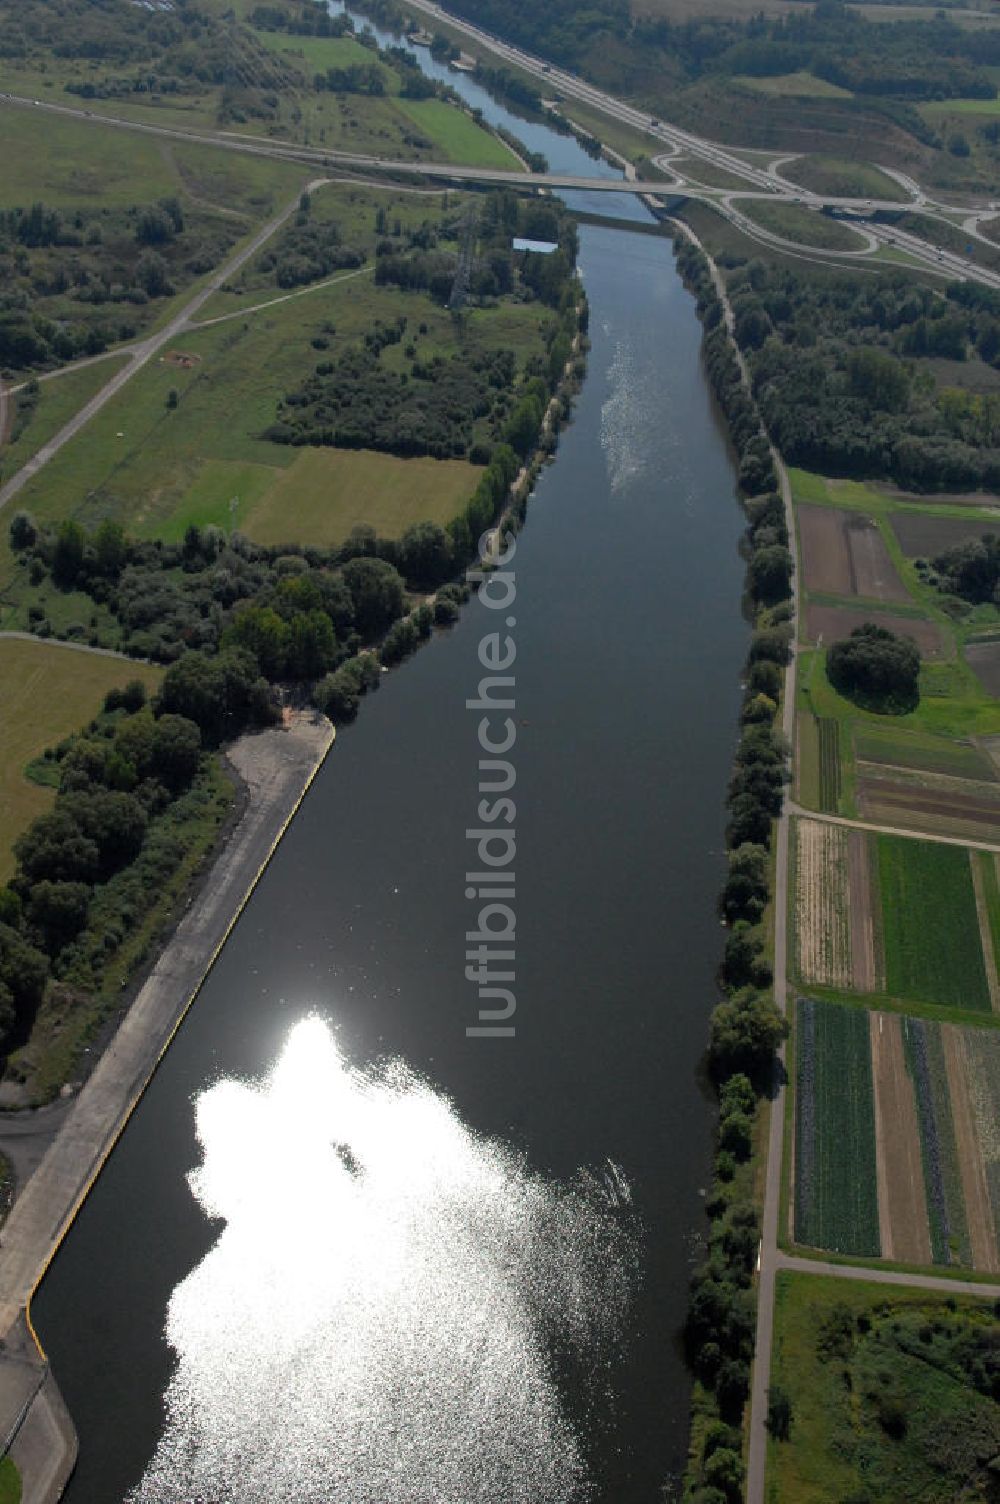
point(804, 226)
point(837, 177)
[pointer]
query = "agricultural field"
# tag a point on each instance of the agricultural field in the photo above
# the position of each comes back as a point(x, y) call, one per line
point(47, 691)
point(883, 1390)
point(931, 933)
point(837, 177)
point(836, 1204)
point(822, 928)
point(902, 1198)
point(833, 622)
point(927, 1065)
point(843, 553)
point(984, 660)
point(889, 746)
point(817, 762)
point(927, 782)
point(897, 1144)
point(986, 881)
point(922, 535)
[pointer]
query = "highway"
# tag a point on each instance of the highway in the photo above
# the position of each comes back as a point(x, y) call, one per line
point(762, 182)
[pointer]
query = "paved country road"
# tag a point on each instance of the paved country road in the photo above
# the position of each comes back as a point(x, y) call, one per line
point(143, 351)
point(875, 1276)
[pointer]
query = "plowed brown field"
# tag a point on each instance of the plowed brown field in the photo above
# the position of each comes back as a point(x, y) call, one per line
point(975, 1188)
point(902, 1200)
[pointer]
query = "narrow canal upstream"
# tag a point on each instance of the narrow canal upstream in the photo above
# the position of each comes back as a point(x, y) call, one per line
point(436, 1307)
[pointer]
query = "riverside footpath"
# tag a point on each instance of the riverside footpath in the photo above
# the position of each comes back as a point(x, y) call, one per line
point(276, 768)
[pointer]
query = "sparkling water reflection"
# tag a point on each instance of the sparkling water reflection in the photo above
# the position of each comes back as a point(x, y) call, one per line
point(389, 1303)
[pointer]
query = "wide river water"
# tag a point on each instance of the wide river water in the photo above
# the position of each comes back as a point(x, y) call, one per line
point(413, 1266)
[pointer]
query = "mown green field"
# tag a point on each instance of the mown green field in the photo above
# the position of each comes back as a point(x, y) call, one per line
point(457, 135)
point(836, 1205)
point(884, 1406)
point(46, 692)
point(325, 493)
point(933, 951)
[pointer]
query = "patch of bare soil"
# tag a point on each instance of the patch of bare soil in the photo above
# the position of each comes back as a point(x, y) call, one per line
point(975, 1188)
point(902, 1199)
point(873, 572)
point(863, 968)
point(833, 622)
point(826, 564)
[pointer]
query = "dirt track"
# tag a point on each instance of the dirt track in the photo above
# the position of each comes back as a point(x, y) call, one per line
point(975, 1190)
point(902, 1200)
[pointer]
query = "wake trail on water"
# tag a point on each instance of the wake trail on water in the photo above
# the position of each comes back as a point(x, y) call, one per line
point(390, 1303)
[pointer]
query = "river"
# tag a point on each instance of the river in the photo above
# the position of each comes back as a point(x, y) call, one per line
point(416, 1265)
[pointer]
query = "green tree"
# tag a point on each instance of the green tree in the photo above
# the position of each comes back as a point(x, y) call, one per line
point(376, 592)
point(311, 646)
point(779, 1413)
point(175, 751)
point(876, 669)
point(67, 556)
point(744, 1036)
point(110, 549)
point(425, 555)
point(262, 632)
point(23, 531)
point(58, 911)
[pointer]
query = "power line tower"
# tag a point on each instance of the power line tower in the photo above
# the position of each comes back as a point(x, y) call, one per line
point(466, 258)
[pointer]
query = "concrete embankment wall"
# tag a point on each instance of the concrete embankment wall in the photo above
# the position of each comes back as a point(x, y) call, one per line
point(278, 768)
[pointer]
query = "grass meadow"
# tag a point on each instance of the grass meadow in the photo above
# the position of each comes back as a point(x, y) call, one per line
point(880, 1409)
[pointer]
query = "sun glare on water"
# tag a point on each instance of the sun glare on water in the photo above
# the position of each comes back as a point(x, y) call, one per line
point(379, 1320)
